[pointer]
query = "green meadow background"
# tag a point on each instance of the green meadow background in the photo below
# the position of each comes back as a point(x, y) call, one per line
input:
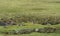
point(11, 8)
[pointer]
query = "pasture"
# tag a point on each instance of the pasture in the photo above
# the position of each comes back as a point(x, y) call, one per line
point(33, 13)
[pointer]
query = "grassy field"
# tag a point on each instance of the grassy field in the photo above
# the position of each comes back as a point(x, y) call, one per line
point(11, 8)
point(35, 34)
point(29, 7)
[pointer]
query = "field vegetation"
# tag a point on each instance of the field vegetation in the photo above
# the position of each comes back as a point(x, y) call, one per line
point(30, 17)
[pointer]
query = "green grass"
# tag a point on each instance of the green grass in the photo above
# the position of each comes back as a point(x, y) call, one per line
point(31, 26)
point(29, 7)
point(36, 34)
point(11, 8)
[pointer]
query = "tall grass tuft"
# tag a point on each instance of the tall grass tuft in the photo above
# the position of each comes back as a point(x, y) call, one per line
point(44, 20)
